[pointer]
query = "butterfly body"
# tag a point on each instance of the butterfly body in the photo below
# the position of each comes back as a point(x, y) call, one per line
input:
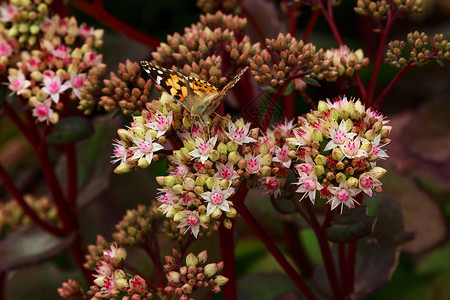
point(199, 97)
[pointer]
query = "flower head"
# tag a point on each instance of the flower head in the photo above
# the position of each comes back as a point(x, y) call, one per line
point(217, 199)
point(239, 135)
point(18, 83)
point(53, 86)
point(343, 195)
point(44, 113)
point(145, 147)
point(192, 221)
point(203, 148)
point(162, 123)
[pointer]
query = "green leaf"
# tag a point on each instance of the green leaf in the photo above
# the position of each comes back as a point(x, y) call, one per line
point(70, 130)
point(269, 89)
point(30, 246)
point(290, 88)
point(311, 81)
point(351, 225)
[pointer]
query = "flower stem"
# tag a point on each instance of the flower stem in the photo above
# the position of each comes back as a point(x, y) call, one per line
point(255, 25)
point(391, 84)
point(379, 58)
point(328, 15)
point(343, 266)
point(271, 246)
point(17, 196)
point(351, 262)
point(272, 104)
point(325, 251)
point(296, 249)
point(72, 182)
point(97, 11)
point(226, 237)
point(310, 26)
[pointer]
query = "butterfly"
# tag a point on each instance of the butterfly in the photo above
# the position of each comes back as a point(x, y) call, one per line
point(199, 97)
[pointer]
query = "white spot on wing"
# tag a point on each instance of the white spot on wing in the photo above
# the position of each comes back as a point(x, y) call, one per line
point(158, 79)
point(160, 72)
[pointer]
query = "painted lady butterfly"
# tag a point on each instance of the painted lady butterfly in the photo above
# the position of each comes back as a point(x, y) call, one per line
point(199, 97)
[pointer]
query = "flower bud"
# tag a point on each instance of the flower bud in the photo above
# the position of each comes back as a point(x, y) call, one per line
point(385, 131)
point(337, 154)
point(340, 177)
point(234, 157)
point(205, 218)
point(266, 171)
point(349, 124)
point(355, 115)
point(352, 182)
point(316, 135)
point(377, 126)
point(125, 135)
point(349, 107)
point(334, 114)
point(143, 163)
point(227, 223)
point(319, 170)
point(214, 155)
point(210, 182)
point(123, 168)
point(378, 172)
point(187, 122)
point(216, 214)
point(224, 184)
point(370, 134)
point(100, 281)
point(266, 160)
point(187, 288)
point(232, 146)
point(232, 213)
point(177, 189)
point(191, 259)
point(367, 147)
point(320, 160)
point(173, 277)
point(202, 257)
point(322, 106)
point(188, 184)
point(169, 181)
point(210, 270)
point(220, 280)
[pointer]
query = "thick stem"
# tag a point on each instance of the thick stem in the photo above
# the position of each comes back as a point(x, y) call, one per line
point(9, 111)
point(17, 195)
point(325, 251)
point(255, 25)
point(328, 15)
point(97, 11)
point(271, 246)
point(72, 182)
point(351, 262)
point(379, 59)
point(342, 267)
point(2, 285)
point(226, 237)
point(272, 104)
point(79, 255)
point(310, 26)
point(296, 249)
point(391, 84)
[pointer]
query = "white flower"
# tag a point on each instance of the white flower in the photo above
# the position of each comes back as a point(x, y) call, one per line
point(192, 221)
point(217, 198)
point(167, 197)
point(343, 195)
point(120, 152)
point(5, 49)
point(338, 103)
point(339, 136)
point(53, 87)
point(282, 156)
point(272, 185)
point(308, 185)
point(253, 163)
point(44, 113)
point(162, 123)
point(305, 169)
point(376, 148)
point(239, 135)
point(145, 147)
point(181, 169)
point(302, 138)
point(7, 12)
point(76, 83)
point(18, 83)
point(367, 181)
point(285, 127)
point(226, 171)
point(351, 148)
point(203, 148)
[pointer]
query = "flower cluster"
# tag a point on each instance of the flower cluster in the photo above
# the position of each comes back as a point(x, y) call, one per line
point(146, 134)
point(378, 9)
point(183, 280)
point(12, 215)
point(285, 58)
point(64, 64)
point(111, 280)
point(423, 48)
point(135, 225)
point(334, 151)
point(71, 289)
point(221, 5)
point(346, 61)
point(125, 89)
point(95, 252)
point(200, 50)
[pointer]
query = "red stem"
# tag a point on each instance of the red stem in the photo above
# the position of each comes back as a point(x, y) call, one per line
point(19, 124)
point(343, 266)
point(97, 11)
point(272, 104)
point(391, 84)
point(310, 26)
point(325, 251)
point(255, 25)
point(351, 262)
point(72, 182)
point(361, 87)
point(17, 195)
point(379, 59)
point(272, 247)
point(328, 15)
point(226, 237)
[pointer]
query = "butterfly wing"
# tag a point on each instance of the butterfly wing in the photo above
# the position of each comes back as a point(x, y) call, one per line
point(216, 100)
